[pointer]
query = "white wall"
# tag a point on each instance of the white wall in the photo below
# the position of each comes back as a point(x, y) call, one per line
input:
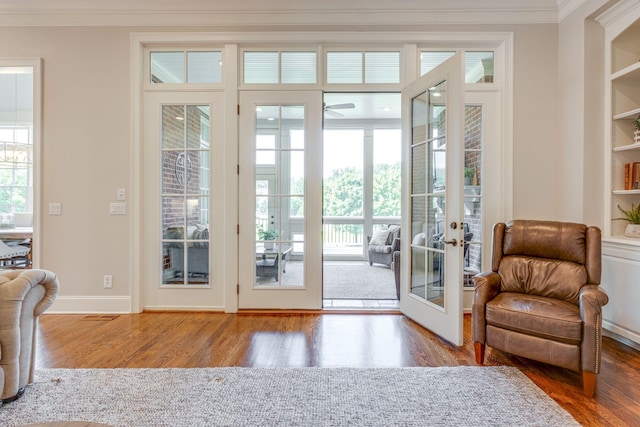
point(87, 145)
point(535, 109)
point(580, 112)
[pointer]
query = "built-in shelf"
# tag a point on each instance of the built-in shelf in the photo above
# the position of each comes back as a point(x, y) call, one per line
point(626, 192)
point(628, 147)
point(629, 115)
point(630, 72)
point(629, 241)
point(620, 253)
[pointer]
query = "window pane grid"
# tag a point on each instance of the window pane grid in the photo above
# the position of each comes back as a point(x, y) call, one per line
point(185, 179)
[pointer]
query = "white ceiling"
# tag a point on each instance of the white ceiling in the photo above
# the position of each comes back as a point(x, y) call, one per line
point(279, 12)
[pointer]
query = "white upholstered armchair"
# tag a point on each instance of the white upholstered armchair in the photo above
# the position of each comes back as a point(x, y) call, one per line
point(24, 296)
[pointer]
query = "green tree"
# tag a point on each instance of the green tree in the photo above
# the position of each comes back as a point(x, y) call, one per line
point(343, 193)
point(386, 190)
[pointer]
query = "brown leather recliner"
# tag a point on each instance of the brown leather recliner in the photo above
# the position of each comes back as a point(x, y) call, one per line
point(542, 300)
point(24, 295)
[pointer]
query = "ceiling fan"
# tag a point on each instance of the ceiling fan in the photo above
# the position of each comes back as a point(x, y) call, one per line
point(329, 109)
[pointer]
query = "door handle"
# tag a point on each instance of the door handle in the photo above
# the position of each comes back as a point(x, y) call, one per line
point(452, 242)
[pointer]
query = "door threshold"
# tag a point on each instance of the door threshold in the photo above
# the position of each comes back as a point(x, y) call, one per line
point(338, 306)
point(360, 304)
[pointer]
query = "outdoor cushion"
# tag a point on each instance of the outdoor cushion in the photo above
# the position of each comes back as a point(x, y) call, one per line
point(380, 249)
point(379, 238)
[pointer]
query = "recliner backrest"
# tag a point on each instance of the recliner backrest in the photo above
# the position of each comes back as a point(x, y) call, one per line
point(546, 258)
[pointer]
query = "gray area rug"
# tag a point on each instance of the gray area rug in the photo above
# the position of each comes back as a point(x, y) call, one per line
point(461, 396)
point(349, 280)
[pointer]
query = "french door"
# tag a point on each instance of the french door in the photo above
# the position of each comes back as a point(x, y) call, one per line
point(280, 202)
point(433, 192)
point(183, 180)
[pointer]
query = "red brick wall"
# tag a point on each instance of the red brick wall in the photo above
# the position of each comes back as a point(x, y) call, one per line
point(176, 142)
point(473, 159)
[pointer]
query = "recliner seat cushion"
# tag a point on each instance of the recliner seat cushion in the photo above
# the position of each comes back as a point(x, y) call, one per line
point(544, 277)
point(535, 315)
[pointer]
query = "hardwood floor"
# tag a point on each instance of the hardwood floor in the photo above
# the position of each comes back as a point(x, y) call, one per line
point(157, 340)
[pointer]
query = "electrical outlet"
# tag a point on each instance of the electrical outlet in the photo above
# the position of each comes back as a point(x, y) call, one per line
point(107, 281)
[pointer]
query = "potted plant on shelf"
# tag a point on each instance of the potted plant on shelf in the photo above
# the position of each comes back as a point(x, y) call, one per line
point(468, 175)
point(633, 216)
point(268, 236)
point(636, 133)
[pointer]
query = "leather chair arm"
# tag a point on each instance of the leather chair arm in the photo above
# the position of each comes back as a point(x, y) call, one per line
point(592, 298)
point(487, 287)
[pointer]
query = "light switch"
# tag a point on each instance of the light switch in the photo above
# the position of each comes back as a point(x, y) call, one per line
point(117, 208)
point(122, 194)
point(55, 209)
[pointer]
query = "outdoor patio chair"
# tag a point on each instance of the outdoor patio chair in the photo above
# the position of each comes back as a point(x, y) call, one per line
point(14, 256)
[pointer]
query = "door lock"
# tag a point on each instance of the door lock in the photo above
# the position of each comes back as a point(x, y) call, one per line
point(452, 242)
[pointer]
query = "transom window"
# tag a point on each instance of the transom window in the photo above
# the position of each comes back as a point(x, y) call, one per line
point(478, 67)
point(274, 67)
point(357, 67)
point(186, 67)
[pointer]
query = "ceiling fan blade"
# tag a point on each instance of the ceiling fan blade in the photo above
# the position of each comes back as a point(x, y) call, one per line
point(333, 113)
point(340, 106)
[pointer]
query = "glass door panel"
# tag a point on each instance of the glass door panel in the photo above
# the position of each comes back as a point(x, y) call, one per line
point(472, 192)
point(277, 139)
point(280, 204)
point(185, 195)
point(429, 185)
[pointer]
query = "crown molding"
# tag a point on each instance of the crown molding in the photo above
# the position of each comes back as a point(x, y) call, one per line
point(332, 14)
point(567, 7)
point(621, 11)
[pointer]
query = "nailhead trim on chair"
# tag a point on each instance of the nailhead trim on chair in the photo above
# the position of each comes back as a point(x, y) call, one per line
point(598, 340)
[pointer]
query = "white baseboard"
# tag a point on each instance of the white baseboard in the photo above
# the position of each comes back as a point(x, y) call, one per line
point(90, 305)
point(185, 308)
point(467, 293)
point(622, 332)
point(111, 305)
